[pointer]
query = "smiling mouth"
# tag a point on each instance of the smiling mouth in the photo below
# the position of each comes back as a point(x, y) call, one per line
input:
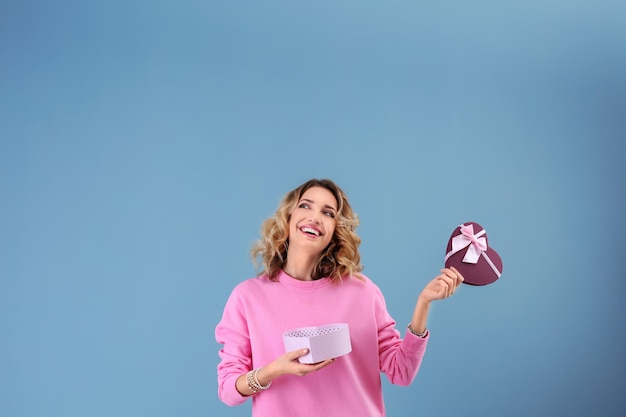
point(310, 231)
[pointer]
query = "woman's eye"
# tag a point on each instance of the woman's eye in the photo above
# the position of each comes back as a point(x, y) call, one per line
point(330, 214)
point(303, 205)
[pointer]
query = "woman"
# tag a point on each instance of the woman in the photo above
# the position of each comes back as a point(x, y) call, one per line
point(311, 275)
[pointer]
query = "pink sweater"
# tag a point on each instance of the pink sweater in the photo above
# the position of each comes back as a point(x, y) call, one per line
point(259, 311)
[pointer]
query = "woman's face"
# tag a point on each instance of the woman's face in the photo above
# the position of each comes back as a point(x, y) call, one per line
point(313, 221)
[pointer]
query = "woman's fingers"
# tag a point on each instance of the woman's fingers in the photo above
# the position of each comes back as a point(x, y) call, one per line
point(453, 278)
point(443, 285)
point(455, 275)
point(447, 281)
point(460, 278)
point(320, 365)
point(296, 368)
point(295, 354)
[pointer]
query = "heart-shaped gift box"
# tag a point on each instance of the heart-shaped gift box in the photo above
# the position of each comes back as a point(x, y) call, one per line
point(469, 252)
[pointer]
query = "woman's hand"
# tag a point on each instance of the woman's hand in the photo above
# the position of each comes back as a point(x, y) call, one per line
point(288, 364)
point(442, 286)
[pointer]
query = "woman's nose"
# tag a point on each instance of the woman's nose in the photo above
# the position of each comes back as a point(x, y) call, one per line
point(315, 217)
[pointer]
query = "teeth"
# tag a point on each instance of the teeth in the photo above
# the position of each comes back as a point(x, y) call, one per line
point(309, 230)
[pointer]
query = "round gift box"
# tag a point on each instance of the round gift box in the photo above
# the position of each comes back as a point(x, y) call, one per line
point(323, 342)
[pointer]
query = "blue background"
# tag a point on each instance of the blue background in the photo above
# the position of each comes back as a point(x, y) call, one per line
point(144, 142)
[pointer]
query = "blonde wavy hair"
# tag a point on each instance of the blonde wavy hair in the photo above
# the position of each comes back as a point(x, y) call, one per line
point(341, 257)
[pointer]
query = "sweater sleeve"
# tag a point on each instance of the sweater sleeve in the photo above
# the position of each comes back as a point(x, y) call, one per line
point(400, 359)
point(232, 333)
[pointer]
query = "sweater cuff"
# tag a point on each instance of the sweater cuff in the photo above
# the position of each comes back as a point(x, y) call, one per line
point(228, 392)
point(415, 344)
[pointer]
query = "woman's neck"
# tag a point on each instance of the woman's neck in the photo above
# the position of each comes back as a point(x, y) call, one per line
point(299, 267)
